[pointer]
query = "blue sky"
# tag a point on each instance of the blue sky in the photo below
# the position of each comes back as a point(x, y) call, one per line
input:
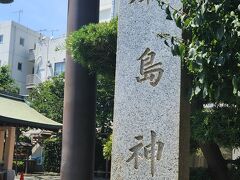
point(38, 14)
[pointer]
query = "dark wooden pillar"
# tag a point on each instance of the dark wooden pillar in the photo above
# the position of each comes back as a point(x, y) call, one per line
point(79, 102)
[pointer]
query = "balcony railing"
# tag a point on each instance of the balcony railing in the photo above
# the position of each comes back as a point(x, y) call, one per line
point(32, 81)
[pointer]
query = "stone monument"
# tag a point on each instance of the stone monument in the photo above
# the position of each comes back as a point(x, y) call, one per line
point(148, 136)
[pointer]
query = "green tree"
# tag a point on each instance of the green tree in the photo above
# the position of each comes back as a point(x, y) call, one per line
point(107, 148)
point(7, 84)
point(47, 98)
point(209, 51)
point(93, 46)
point(52, 154)
point(105, 102)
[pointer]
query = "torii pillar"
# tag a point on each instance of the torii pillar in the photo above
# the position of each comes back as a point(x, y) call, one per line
point(9, 148)
point(2, 134)
point(79, 102)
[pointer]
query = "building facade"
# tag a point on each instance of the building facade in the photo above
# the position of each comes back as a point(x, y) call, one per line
point(48, 58)
point(106, 9)
point(16, 44)
point(34, 58)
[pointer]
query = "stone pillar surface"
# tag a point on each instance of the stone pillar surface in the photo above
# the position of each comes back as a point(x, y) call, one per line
point(146, 132)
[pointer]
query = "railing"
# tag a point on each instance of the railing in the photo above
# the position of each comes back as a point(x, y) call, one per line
point(32, 81)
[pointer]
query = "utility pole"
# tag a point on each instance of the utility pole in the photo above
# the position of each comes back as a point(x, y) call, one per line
point(79, 102)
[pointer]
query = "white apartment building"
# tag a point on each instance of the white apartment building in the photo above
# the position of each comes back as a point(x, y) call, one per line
point(49, 60)
point(32, 57)
point(16, 43)
point(106, 10)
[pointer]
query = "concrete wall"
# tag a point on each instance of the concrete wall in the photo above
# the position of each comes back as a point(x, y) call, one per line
point(12, 52)
point(49, 52)
point(20, 53)
point(5, 30)
point(105, 10)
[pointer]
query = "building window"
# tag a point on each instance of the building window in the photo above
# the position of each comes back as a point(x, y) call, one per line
point(19, 66)
point(1, 39)
point(59, 68)
point(22, 41)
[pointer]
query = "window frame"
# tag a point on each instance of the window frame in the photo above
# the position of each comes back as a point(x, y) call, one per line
point(57, 73)
point(22, 41)
point(20, 64)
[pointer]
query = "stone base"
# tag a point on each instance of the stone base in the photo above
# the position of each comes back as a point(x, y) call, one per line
point(10, 174)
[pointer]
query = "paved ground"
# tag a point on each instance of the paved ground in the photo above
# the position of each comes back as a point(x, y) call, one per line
point(45, 177)
point(39, 177)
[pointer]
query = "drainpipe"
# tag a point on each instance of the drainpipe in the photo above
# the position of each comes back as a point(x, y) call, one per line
point(79, 102)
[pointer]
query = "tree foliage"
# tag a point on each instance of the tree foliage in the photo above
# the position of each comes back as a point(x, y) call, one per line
point(104, 105)
point(7, 84)
point(107, 148)
point(52, 154)
point(210, 51)
point(47, 98)
point(94, 47)
point(219, 125)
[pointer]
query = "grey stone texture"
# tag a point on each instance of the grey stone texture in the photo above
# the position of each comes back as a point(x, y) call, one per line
point(141, 108)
